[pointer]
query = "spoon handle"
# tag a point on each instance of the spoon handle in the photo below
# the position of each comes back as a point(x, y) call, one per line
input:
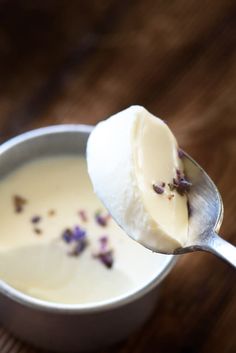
point(221, 248)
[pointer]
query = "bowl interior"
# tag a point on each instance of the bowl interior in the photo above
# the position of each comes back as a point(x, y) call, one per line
point(55, 141)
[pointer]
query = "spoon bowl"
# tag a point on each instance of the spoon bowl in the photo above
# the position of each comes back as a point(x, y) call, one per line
point(205, 215)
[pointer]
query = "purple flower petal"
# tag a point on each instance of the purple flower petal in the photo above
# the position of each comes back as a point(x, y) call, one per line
point(79, 248)
point(36, 219)
point(38, 231)
point(107, 259)
point(105, 255)
point(67, 235)
point(158, 189)
point(103, 242)
point(83, 215)
point(51, 213)
point(78, 233)
point(102, 220)
point(77, 238)
point(19, 203)
point(181, 184)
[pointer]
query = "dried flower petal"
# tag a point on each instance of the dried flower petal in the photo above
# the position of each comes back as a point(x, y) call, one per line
point(77, 238)
point(171, 186)
point(106, 258)
point(83, 215)
point(38, 231)
point(67, 235)
point(36, 219)
point(158, 189)
point(103, 242)
point(79, 247)
point(19, 203)
point(51, 213)
point(181, 184)
point(105, 255)
point(78, 233)
point(102, 220)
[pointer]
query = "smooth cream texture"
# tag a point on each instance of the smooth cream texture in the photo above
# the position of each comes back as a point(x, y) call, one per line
point(126, 154)
point(39, 265)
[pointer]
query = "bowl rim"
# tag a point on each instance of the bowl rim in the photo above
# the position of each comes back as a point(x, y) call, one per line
point(34, 303)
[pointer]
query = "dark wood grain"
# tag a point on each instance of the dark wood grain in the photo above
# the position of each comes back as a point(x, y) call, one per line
point(77, 61)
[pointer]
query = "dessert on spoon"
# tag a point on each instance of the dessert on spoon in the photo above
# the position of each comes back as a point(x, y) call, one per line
point(158, 194)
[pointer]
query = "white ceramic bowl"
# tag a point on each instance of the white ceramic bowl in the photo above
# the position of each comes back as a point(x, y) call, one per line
point(60, 327)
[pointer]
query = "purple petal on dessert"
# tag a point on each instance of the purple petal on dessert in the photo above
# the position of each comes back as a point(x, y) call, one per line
point(83, 215)
point(171, 186)
point(102, 221)
point(181, 184)
point(103, 242)
point(78, 233)
point(106, 258)
point(79, 247)
point(51, 213)
point(76, 237)
point(158, 189)
point(67, 235)
point(82, 245)
point(105, 254)
point(36, 219)
point(19, 203)
point(38, 231)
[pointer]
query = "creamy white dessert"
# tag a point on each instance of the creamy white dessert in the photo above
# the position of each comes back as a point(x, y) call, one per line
point(57, 242)
point(137, 172)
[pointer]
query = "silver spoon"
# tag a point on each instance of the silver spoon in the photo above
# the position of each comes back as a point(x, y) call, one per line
point(206, 215)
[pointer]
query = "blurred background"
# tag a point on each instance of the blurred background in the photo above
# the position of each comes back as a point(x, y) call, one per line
point(81, 61)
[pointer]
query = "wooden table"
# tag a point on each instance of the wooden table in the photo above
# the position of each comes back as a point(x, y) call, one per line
point(78, 62)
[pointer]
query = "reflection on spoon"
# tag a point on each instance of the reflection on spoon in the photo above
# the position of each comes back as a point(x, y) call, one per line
point(206, 215)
